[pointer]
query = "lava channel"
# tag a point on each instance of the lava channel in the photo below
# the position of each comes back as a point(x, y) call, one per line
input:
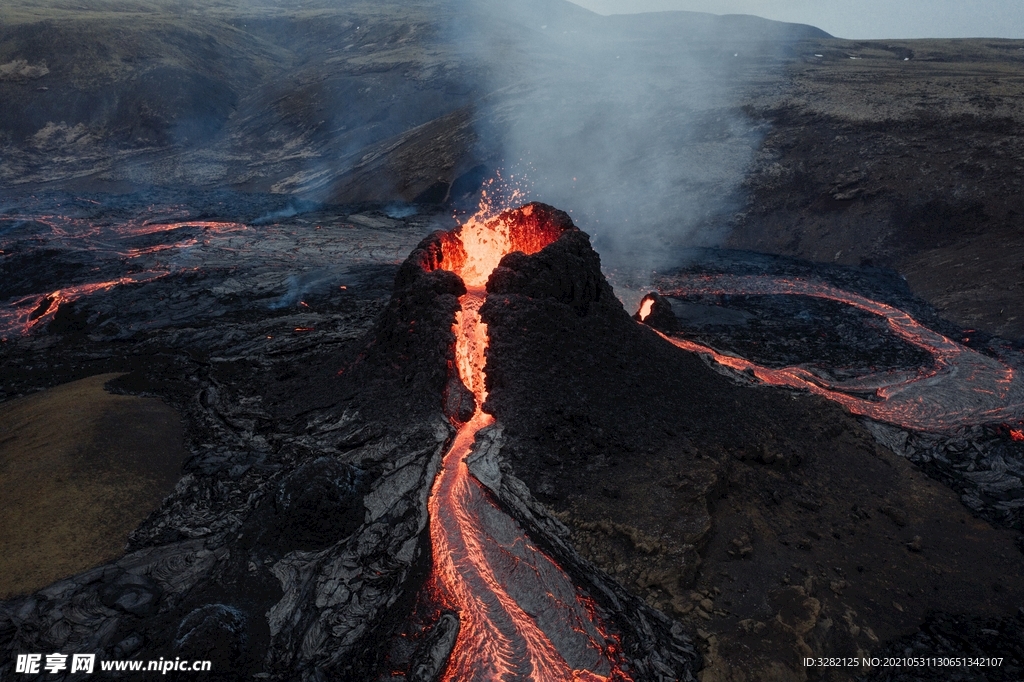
point(521, 617)
point(22, 315)
point(962, 387)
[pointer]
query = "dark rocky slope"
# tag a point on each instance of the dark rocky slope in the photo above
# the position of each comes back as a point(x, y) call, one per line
point(772, 523)
point(902, 154)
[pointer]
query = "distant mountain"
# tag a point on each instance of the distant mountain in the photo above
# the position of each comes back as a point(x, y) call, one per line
point(381, 101)
point(701, 25)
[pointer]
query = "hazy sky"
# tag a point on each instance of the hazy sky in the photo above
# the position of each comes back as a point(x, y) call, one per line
point(857, 18)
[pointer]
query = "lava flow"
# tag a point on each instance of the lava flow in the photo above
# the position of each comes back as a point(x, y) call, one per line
point(104, 242)
point(962, 387)
point(24, 314)
point(520, 615)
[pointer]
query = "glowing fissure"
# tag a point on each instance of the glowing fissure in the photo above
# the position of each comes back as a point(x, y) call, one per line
point(20, 316)
point(963, 387)
point(513, 601)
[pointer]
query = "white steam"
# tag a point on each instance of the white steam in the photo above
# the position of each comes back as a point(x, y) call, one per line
point(632, 124)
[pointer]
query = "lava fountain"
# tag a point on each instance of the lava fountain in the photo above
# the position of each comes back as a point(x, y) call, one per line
point(961, 387)
point(521, 617)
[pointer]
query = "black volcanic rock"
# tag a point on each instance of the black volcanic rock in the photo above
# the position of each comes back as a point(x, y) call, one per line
point(956, 636)
point(314, 506)
point(320, 497)
point(407, 365)
point(568, 271)
point(215, 632)
point(134, 594)
point(432, 655)
point(564, 355)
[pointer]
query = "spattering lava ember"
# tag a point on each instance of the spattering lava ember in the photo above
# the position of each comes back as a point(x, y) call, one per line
point(521, 617)
point(961, 387)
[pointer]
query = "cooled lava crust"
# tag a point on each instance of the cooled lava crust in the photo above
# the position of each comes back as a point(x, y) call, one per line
point(770, 521)
point(678, 482)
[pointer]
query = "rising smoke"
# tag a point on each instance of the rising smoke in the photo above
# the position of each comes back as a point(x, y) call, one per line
point(633, 124)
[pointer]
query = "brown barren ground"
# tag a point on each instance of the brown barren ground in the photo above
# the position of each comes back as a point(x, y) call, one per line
point(79, 469)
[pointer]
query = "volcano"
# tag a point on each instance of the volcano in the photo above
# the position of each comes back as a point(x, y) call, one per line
point(508, 475)
point(435, 522)
point(496, 552)
point(399, 441)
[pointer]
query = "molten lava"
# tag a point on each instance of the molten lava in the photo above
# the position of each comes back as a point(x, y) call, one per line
point(23, 314)
point(645, 308)
point(521, 616)
point(962, 387)
point(20, 316)
point(487, 239)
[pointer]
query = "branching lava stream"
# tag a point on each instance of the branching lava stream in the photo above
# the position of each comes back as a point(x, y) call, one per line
point(963, 386)
point(521, 617)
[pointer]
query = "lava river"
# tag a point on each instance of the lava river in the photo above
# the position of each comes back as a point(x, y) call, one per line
point(521, 617)
point(23, 314)
point(961, 387)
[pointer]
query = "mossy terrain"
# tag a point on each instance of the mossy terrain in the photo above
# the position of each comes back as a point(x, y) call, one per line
point(79, 469)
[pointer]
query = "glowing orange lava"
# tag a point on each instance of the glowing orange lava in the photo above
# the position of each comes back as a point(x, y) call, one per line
point(26, 313)
point(23, 315)
point(485, 245)
point(482, 559)
point(1017, 435)
point(645, 308)
point(962, 386)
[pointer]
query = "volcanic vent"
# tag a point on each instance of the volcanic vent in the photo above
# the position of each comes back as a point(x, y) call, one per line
point(527, 606)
